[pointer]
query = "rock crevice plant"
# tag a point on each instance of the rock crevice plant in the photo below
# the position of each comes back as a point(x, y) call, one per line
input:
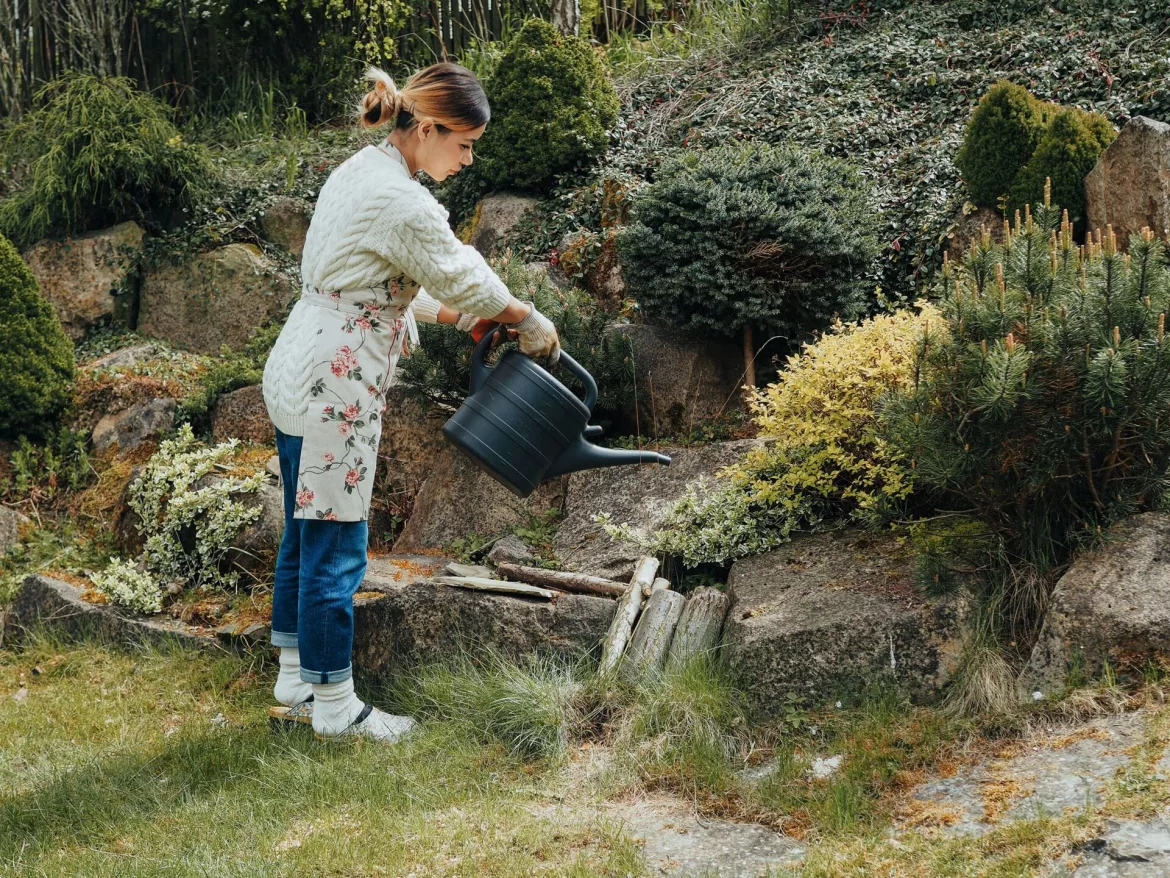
point(188, 522)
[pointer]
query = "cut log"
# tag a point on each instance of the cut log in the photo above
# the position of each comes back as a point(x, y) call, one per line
point(622, 626)
point(659, 585)
point(699, 626)
point(646, 657)
point(575, 582)
point(497, 585)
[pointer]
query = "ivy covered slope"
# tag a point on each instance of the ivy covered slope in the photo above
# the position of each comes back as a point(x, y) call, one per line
point(890, 90)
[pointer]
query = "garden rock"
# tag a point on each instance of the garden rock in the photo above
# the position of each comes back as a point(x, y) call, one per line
point(286, 223)
point(401, 618)
point(638, 495)
point(10, 522)
point(1111, 605)
point(242, 415)
point(682, 379)
point(411, 444)
point(80, 275)
point(495, 216)
point(130, 428)
point(215, 298)
point(553, 273)
point(126, 358)
point(967, 230)
point(829, 615)
point(1129, 188)
point(457, 500)
point(511, 549)
point(43, 601)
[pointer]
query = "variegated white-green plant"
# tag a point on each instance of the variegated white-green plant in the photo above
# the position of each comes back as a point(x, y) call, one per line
point(170, 504)
point(127, 586)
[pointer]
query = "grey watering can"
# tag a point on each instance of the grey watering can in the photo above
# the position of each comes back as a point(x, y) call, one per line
point(522, 426)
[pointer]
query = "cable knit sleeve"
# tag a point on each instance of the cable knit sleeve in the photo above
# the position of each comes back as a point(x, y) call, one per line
point(425, 307)
point(423, 245)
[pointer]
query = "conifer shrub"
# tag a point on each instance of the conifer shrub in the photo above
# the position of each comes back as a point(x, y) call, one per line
point(96, 152)
point(36, 356)
point(1067, 152)
point(823, 459)
point(1000, 139)
point(553, 103)
point(439, 370)
point(746, 235)
point(1039, 402)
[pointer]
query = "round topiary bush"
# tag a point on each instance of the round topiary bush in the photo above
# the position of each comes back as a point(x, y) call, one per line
point(36, 357)
point(747, 235)
point(96, 152)
point(1001, 137)
point(1067, 152)
point(552, 105)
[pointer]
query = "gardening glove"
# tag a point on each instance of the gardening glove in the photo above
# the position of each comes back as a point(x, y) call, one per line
point(468, 323)
point(538, 336)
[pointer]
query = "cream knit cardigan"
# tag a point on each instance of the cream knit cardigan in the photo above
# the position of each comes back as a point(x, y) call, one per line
point(372, 221)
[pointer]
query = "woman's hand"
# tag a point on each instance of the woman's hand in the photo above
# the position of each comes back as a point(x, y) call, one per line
point(538, 336)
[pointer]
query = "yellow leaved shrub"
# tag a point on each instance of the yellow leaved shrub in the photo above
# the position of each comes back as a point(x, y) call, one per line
point(822, 458)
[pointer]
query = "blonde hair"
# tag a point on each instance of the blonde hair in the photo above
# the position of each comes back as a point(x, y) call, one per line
point(447, 94)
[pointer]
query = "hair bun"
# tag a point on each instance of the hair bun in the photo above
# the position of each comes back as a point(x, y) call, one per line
point(382, 104)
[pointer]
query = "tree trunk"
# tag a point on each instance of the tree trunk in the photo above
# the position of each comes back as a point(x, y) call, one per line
point(575, 582)
point(566, 16)
point(699, 627)
point(627, 614)
point(651, 641)
point(749, 357)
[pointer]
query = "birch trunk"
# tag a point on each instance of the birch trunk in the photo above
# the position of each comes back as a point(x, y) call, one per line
point(699, 627)
point(626, 616)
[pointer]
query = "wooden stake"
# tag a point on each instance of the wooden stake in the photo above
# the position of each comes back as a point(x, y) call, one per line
point(650, 644)
point(699, 626)
point(628, 608)
point(749, 357)
point(575, 582)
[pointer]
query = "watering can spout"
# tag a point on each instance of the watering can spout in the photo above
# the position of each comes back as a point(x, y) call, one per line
point(584, 455)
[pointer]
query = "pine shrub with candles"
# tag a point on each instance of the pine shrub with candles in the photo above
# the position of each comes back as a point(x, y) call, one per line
point(1043, 404)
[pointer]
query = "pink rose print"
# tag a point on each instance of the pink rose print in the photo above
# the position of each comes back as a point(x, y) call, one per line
point(335, 295)
point(351, 477)
point(328, 409)
point(327, 457)
point(363, 323)
point(372, 390)
point(343, 361)
point(304, 498)
point(330, 516)
point(345, 428)
point(351, 412)
point(394, 288)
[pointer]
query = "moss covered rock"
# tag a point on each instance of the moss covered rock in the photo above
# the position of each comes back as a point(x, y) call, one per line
point(36, 357)
point(552, 105)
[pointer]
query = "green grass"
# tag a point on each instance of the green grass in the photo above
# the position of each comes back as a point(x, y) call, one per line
point(155, 763)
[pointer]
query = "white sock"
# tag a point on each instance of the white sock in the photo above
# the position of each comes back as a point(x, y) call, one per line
point(335, 706)
point(290, 689)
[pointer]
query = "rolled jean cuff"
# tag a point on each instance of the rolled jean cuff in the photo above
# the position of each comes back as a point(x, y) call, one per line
point(326, 676)
point(280, 638)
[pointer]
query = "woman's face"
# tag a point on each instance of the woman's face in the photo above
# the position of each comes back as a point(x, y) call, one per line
point(442, 154)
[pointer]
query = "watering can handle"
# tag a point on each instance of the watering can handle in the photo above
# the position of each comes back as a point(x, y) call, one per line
point(480, 369)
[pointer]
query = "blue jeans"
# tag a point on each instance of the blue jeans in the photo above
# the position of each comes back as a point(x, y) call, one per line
point(318, 570)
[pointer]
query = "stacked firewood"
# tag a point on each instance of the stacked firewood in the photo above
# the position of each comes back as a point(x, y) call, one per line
point(654, 629)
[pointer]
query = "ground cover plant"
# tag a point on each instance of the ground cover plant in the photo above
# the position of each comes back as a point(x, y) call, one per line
point(889, 88)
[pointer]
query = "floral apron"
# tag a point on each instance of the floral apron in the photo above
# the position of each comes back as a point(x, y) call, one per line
point(360, 338)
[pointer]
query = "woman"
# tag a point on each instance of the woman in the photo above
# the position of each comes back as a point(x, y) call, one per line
point(377, 239)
